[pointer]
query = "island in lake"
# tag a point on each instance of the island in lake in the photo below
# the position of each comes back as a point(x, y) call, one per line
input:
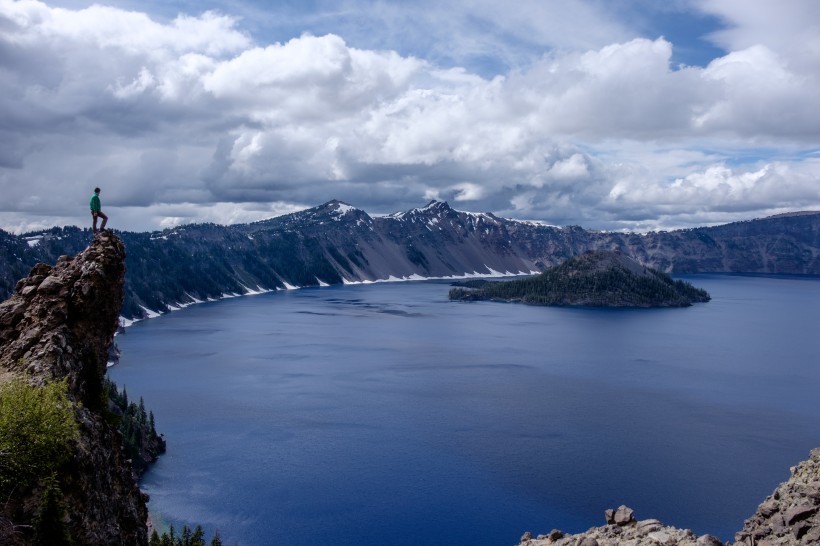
point(594, 279)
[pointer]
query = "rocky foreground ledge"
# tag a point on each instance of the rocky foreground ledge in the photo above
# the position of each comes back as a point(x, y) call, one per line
point(789, 516)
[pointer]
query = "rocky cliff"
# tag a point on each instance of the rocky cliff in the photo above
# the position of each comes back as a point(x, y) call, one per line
point(788, 517)
point(59, 323)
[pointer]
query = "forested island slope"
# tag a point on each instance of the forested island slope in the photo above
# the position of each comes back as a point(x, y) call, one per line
point(595, 279)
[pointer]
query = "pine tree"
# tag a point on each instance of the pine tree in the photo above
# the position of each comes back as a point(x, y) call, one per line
point(142, 412)
point(198, 537)
point(169, 538)
point(50, 528)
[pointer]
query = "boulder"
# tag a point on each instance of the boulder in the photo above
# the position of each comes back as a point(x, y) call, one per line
point(709, 540)
point(769, 507)
point(660, 537)
point(648, 525)
point(623, 516)
point(799, 513)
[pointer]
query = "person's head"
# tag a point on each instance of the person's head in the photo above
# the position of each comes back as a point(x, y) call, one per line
point(96, 190)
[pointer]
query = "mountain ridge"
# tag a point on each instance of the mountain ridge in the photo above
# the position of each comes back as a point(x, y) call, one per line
point(336, 243)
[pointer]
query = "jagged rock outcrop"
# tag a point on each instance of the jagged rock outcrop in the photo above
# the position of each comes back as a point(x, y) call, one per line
point(60, 323)
point(623, 529)
point(788, 517)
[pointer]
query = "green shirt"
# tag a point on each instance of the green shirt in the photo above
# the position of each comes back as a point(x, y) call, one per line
point(95, 203)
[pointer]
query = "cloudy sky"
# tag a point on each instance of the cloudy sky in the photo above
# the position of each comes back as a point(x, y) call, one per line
point(622, 115)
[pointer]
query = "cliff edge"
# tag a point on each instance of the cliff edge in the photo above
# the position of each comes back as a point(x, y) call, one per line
point(790, 516)
point(59, 324)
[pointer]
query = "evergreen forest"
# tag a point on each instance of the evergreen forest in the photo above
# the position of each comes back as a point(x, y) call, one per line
point(594, 279)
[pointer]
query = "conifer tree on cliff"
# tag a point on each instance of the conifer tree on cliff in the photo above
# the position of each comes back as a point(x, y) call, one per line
point(49, 525)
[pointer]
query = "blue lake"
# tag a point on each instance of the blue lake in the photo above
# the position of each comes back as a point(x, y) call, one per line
point(385, 414)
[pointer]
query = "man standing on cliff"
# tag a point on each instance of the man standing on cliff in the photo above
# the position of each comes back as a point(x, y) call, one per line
point(95, 210)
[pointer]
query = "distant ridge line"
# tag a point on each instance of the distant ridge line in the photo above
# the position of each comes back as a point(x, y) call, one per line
point(791, 214)
point(337, 243)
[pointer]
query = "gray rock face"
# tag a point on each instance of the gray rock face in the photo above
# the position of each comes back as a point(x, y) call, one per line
point(61, 320)
point(790, 515)
point(59, 323)
point(622, 516)
point(708, 540)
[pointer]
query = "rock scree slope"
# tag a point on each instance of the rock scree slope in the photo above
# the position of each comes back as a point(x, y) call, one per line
point(59, 323)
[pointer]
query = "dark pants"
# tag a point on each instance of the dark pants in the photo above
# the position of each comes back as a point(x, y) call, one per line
point(94, 215)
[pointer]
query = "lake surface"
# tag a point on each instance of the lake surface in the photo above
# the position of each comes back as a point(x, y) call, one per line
point(385, 414)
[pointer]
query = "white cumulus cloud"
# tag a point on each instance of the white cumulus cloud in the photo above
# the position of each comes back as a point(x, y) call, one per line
point(192, 119)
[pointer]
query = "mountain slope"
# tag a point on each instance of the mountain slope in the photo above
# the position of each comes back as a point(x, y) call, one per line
point(336, 243)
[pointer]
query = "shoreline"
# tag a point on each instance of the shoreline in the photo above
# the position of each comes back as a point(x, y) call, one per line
point(150, 313)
